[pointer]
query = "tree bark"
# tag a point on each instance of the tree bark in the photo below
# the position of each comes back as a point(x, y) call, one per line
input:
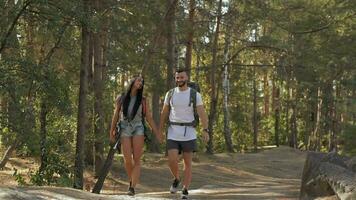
point(43, 121)
point(336, 120)
point(276, 114)
point(155, 146)
point(7, 154)
point(104, 170)
point(255, 118)
point(316, 131)
point(266, 93)
point(82, 116)
point(89, 140)
point(170, 35)
point(213, 85)
point(9, 30)
point(190, 37)
point(98, 95)
point(287, 108)
point(226, 85)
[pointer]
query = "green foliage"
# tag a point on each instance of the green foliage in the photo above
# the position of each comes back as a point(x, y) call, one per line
point(56, 172)
point(19, 178)
point(349, 139)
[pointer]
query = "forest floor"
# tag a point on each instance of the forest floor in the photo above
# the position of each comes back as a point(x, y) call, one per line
point(269, 174)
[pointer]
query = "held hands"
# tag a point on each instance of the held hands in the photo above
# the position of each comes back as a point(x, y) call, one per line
point(205, 135)
point(159, 136)
point(112, 136)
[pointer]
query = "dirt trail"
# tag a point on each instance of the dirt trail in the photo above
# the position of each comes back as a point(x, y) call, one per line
point(270, 174)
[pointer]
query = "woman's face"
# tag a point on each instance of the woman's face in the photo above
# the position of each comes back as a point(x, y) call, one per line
point(138, 83)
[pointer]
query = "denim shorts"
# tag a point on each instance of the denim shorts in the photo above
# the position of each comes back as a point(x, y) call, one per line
point(130, 129)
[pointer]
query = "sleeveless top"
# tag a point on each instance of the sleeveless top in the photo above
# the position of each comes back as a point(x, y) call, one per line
point(138, 116)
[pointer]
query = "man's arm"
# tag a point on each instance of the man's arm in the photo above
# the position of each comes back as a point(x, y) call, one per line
point(204, 120)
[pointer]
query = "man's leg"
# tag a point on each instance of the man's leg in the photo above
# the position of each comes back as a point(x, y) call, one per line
point(188, 148)
point(173, 166)
point(173, 162)
point(187, 157)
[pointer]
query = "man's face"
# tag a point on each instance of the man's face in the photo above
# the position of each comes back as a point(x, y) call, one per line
point(181, 79)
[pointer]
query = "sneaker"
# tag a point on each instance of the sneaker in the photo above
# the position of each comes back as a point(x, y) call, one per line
point(184, 193)
point(131, 191)
point(174, 186)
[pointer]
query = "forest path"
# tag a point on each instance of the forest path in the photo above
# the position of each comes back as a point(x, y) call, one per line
point(269, 174)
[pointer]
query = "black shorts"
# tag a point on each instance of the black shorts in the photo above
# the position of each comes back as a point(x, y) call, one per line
point(185, 146)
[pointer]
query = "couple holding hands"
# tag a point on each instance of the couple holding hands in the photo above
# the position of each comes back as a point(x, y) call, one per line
point(181, 104)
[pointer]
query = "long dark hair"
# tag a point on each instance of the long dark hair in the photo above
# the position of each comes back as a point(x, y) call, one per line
point(127, 97)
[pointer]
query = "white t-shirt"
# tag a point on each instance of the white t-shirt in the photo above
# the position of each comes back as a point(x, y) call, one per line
point(183, 113)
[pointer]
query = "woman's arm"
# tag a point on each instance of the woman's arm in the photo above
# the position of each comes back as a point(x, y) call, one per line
point(152, 123)
point(115, 119)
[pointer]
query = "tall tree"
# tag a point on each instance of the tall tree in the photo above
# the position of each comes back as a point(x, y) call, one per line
point(98, 90)
point(226, 87)
point(255, 111)
point(170, 36)
point(190, 37)
point(213, 85)
point(83, 90)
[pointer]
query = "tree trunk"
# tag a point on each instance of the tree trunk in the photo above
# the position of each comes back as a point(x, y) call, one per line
point(7, 154)
point(89, 140)
point(154, 144)
point(266, 93)
point(43, 121)
point(190, 36)
point(82, 116)
point(336, 120)
point(315, 140)
point(293, 123)
point(255, 118)
point(9, 34)
point(276, 115)
point(98, 95)
point(226, 85)
point(104, 170)
point(326, 175)
point(287, 132)
point(213, 85)
point(170, 35)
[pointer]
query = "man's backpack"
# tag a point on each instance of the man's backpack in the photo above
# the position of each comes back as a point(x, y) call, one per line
point(194, 88)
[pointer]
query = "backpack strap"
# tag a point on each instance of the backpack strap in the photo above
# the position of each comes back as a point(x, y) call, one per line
point(193, 100)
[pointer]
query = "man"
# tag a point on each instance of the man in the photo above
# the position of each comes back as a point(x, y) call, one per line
point(181, 136)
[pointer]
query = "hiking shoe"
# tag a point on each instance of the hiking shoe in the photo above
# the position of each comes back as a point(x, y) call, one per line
point(174, 186)
point(184, 194)
point(131, 191)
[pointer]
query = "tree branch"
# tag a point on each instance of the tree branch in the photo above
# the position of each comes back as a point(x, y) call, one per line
point(11, 28)
point(251, 47)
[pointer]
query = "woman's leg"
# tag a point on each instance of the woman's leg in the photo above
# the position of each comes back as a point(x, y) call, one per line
point(126, 149)
point(138, 142)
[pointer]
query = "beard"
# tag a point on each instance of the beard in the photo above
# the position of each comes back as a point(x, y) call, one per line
point(181, 83)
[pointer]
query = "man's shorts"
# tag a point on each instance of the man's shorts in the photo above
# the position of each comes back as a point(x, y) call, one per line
point(185, 146)
point(130, 129)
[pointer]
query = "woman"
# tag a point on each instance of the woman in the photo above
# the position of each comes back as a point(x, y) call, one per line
point(129, 110)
